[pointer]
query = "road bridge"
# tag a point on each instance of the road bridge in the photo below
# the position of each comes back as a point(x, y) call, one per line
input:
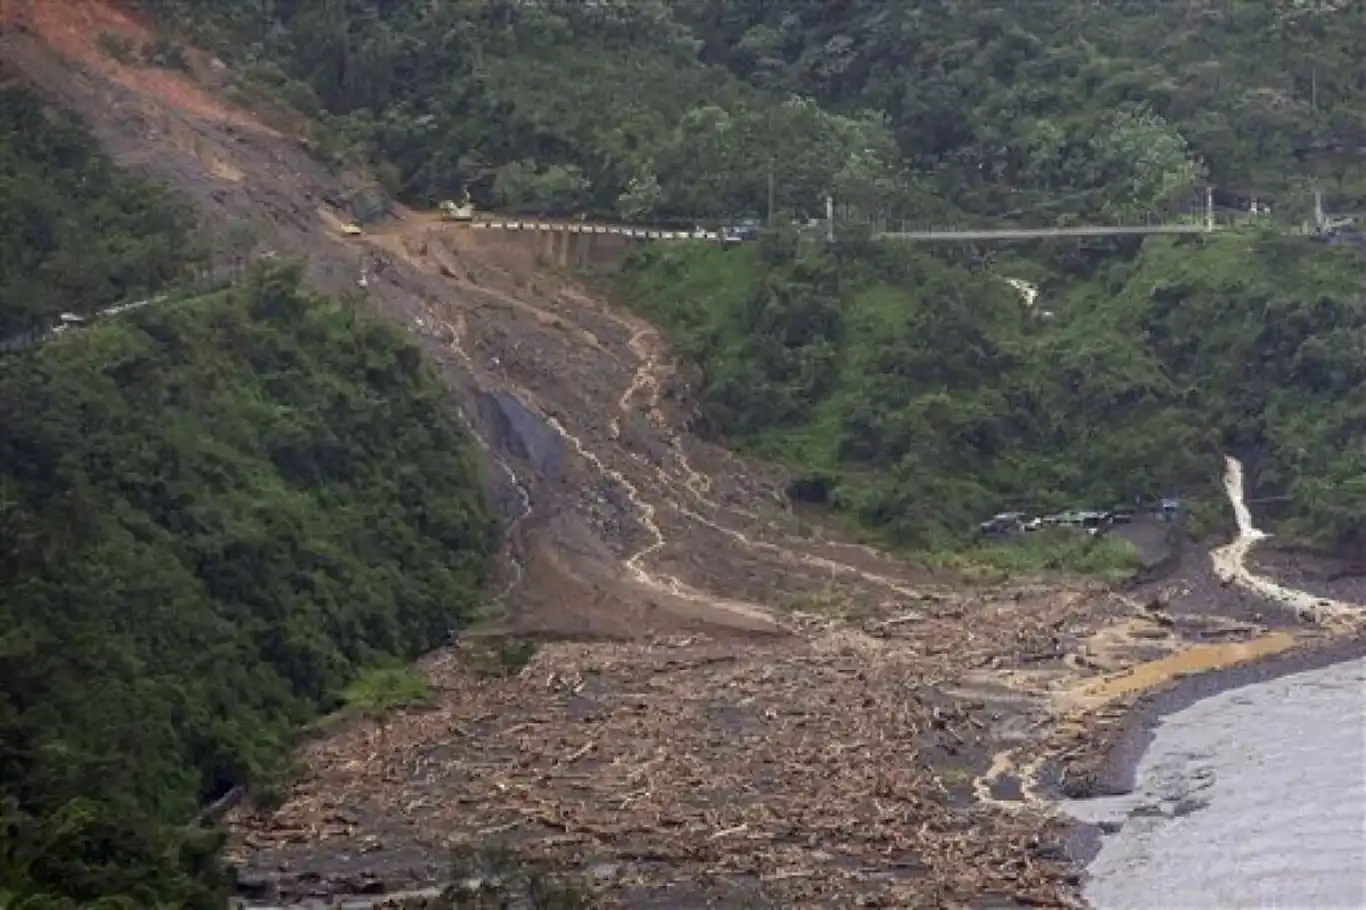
point(928, 235)
point(1032, 233)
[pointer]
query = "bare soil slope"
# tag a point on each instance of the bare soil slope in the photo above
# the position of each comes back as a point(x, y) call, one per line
point(734, 705)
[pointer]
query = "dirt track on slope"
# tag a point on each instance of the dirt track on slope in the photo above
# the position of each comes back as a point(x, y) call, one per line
point(731, 706)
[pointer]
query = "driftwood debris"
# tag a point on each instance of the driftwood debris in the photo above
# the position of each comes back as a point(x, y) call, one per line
point(819, 771)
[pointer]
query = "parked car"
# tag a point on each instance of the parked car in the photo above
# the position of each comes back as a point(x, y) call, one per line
point(1122, 515)
point(741, 232)
point(1094, 518)
point(1002, 524)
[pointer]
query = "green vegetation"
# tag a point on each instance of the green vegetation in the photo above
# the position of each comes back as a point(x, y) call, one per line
point(920, 110)
point(918, 395)
point(549, 106)
point(215, 513)
point(500, 877)
point(379, 690)
point(1045, 104)
point(898, 379)
point(1104, 557)
point(77, 235)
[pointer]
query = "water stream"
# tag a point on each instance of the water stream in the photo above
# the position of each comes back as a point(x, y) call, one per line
point(1255, 797)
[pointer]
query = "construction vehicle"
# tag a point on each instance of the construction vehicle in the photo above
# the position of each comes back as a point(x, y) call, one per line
point(457, 211)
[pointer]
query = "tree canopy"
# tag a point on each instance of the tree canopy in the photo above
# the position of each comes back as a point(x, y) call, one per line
point(214, 513)
point(1001, 108)
point(77, 235)
point(923, 395)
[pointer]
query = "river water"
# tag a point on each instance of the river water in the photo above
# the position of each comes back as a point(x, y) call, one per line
point(1255, 797)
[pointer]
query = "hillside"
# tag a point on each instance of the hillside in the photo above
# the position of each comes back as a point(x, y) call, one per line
point(894, 377)
point(215, 511)
point(930, 113)
point(1017, 106)
point(922, 111)
point(723, 677)
point(77, 236)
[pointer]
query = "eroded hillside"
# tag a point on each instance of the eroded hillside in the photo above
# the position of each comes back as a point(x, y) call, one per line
point(732, 704)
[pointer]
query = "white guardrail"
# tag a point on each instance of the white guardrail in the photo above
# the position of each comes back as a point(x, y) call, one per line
point(618, 230)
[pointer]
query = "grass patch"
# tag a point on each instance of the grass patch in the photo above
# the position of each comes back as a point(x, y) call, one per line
point(957, 779)
point(824, 602)
point(381, 690)
point(118, 48)
point(166, 54)
point(496, 656)
point(1105, 557)
point(159, 52)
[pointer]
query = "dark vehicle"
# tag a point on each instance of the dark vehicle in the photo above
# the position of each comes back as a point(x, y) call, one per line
point(743, 232)
point(1093, 521)
point(1093, 518)
point(1002, 524)
point(1122, 515)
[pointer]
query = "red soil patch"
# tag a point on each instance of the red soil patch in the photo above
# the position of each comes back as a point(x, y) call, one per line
point(73, 29)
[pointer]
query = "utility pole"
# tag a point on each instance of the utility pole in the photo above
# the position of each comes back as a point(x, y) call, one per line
point(1209, 209)
point(770, 193)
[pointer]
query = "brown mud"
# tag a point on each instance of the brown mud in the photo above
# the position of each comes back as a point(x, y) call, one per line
point(728, 709)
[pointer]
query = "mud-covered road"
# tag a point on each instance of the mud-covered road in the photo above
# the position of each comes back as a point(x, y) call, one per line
point(731, 705)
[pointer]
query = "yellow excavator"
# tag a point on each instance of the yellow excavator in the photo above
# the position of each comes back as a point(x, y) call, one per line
point(457, 211)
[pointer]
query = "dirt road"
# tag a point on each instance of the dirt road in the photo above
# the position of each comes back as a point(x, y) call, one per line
point(732, 706)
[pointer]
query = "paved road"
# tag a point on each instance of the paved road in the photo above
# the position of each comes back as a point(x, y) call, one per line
point(1027, 233)
point(17, 343)
point(934, 234)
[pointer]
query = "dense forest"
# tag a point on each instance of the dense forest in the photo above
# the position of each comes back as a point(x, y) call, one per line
point(892, 378)
point(77, 235)
point(1031, 109)
point(215, 511)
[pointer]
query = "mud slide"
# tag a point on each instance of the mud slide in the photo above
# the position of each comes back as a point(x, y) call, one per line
point(726, 699)
point(1074, 705)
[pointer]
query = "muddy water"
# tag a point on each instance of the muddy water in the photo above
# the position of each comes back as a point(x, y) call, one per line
point(1252, 798)
point(1255, 797)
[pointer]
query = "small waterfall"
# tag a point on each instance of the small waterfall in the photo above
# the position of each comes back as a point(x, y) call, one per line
point(1233, 486)
point(1230, 563)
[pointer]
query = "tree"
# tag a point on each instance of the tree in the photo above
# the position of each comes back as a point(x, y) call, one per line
point(1143, 163)
point(641, 197)
point(553, 187)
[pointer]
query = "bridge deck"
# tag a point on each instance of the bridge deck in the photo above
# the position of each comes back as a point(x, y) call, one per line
point(1027, 233)
point(934, 234)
